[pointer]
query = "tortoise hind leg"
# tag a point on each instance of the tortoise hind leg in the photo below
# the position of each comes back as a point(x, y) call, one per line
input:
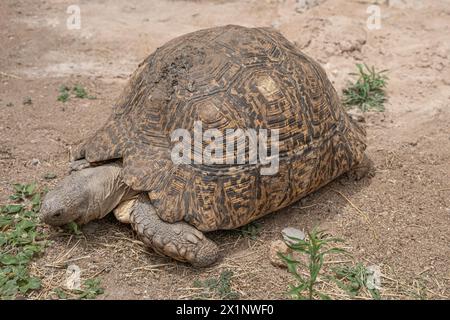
point(362, 169)
point(179, 240)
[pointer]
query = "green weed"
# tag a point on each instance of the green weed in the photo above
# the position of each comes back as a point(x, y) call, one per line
point(368, 92)
point(20, 242)
point(64, 93)
point(73, 228)
point(78, 90)
point(314, 249)
point(352, 279)
point(250, 230)
point(220, 286)
point(90, 290)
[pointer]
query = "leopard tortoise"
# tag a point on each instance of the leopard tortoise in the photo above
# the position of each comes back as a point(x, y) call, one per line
point(226, 77)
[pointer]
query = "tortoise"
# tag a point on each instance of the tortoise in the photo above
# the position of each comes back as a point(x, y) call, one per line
point(227, 77)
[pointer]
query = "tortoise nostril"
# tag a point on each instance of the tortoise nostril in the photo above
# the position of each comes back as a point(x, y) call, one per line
point(57, 213)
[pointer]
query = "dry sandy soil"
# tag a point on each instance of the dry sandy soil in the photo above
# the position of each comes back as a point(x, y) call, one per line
point(399, 219)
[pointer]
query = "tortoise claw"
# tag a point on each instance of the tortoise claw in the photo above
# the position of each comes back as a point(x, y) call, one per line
point(78, 165)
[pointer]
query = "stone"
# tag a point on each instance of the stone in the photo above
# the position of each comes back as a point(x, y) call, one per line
point(357, 115)
point(276, 247)
point(289, 233)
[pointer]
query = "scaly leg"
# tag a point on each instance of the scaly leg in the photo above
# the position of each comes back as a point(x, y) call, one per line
point(179, 240)
point(362, 169)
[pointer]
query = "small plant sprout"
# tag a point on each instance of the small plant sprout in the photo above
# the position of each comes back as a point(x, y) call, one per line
point(251, 230)
point(74, 228)
point(220, 287)
point(306, 270)
point(63, 94)
point(368, 92)
point(354, 278)
point(78, 91)
point(89, 290)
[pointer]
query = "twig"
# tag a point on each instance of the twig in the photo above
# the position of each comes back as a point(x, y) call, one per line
point(96, 274)
point(9, 75)
point(365, 216)
point(338, 261)
point(306, 207)
point(425, 270)
point(61, 264)
point(152, 267)
point(59, 259)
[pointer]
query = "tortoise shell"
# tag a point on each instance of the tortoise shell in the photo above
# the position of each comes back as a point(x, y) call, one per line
point(227, 77)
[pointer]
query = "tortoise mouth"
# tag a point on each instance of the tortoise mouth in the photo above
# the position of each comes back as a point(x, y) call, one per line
point(53, 213)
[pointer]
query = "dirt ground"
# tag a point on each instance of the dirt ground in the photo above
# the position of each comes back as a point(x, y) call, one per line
point(399, 219)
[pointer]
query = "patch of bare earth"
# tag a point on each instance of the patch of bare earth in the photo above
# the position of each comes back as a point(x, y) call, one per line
point(399, 219)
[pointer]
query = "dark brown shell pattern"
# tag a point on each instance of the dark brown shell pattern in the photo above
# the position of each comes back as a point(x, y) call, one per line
point(229, 78)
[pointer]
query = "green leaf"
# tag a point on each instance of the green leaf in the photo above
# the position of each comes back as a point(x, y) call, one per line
point(12, 208)
point(323, 296)
point(60, 293)
point(63, 97)
point(375, 294)
point(15, 197)
point(8, 259)
point(36, 200)
point(63, 88)
point(74, 228)
point(29, 189)
point(18, 243)
point(19, 187)
point(6, 221)
point(30, 283)
point(80, 92)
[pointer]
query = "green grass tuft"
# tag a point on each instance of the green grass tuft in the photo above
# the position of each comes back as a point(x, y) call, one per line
point(20, 242)
point(368, 92)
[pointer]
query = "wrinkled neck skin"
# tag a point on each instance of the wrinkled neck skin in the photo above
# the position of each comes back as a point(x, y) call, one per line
point(86, 195)
point(105, 190)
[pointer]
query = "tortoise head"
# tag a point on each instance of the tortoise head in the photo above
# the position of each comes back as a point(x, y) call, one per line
point(67, 202)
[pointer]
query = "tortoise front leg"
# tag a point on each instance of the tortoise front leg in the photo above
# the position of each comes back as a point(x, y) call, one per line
point(179, 240)
point(77, 160)
point(78, 165)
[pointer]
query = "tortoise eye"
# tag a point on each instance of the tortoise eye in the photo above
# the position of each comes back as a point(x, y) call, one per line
point(58, 213)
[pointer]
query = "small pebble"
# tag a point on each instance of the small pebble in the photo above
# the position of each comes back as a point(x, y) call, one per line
point(357, 115)
point(276, 247)
point(49, 176)
point(289, 233)
point(27, 101)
